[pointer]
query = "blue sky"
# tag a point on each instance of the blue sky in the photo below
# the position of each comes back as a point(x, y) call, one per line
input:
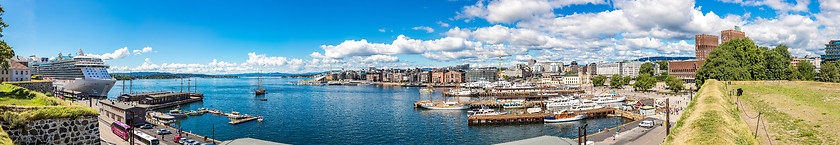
point(218, 37)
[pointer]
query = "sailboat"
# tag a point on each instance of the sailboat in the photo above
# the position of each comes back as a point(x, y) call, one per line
point(260, 90)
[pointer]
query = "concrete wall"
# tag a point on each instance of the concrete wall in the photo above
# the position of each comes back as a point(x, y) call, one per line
point(62, 131)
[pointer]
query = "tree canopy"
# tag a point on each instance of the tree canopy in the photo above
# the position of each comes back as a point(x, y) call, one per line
point(674, 84)
point(738, 60)
point(663, 65)
point(644, 82)
point(599, 80)
point(616, 81)
point(806, 70)
point(6, 51)
point(626, 80)
point(646, 68)
point(829, 72)
point(777, 61)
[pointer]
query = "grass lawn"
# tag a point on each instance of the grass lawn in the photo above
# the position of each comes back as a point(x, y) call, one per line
point(796, 112)
point(53, 107)
point(711, 119)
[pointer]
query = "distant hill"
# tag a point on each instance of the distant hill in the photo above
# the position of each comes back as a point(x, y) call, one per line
point(666, 58)
point(164, 74)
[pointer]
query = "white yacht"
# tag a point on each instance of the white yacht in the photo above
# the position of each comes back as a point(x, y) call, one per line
point(84, 74)
point(565, 103)
point(484, 111)
point(585, 106)
point(445, 106)
point(604, 100)
point(462, 93)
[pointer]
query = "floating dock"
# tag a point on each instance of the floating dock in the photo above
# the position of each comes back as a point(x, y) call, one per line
point(238, 121)
point(533, 117)
point(507, 118)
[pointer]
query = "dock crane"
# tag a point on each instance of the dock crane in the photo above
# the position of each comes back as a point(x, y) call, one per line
point(500, 55)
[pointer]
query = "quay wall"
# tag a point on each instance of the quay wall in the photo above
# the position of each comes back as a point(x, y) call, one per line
point(39, 86)
point(58, 131)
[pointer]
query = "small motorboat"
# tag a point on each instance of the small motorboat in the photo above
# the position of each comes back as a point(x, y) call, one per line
point(260, 119)
point(484, 111)
point(426, 90)
point(446, 106)
point(516, 105)
point(563, 116)
point(263, 99)
point(177, 113)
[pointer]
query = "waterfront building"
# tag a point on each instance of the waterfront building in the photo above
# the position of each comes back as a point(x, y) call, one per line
point(17, 72)
point(631, 68)
point(573, 66)
point(484, 74)
point(425, 77)
point(126, 113)
point(832, 51)
point(813, 60)
point(685, 70)
point(571, 80)
point(624, 68)
point(518, 71)
point(373, 77)
point(454, 76)
point(593, 69)
point(609, 68)
point(437, 76)
point(704, 44)
point(727, 35)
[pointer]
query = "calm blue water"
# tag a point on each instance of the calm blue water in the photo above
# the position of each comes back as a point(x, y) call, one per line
point(343, 115)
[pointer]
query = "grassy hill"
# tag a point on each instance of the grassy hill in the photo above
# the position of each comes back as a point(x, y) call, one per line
point(711, 119)
point(793, 112)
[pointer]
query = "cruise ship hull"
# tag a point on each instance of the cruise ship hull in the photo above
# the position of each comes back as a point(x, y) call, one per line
point(91, 86)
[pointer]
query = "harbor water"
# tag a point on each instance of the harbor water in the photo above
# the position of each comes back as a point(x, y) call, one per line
point(341, 114)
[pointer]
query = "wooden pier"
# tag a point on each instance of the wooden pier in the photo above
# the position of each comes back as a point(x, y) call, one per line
point(507, 118)
point(238, 121)
point(530, 117)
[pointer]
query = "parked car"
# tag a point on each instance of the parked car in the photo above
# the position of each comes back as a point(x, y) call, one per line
point(146, 126)
point(163, 131)
point(188, 141)
point(646, 123)
point(177, 139)
point(184, 140)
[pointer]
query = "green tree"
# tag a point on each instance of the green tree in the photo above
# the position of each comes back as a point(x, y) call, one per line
point(646, 68)
point(644, 82)
point(626, 80)
point(793, 74)
point(778, 60)
point(663, 65)
point(806, 69)
point(674, 84)
point(6, 51)
point(570, 73)
point(599, 80)
point(737, 60)
point(616, 81)
point(829, 73)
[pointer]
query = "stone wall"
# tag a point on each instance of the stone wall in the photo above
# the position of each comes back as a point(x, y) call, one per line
point(39, 86)
point(62, 131)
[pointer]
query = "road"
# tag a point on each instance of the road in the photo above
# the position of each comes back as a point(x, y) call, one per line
point(108, 137)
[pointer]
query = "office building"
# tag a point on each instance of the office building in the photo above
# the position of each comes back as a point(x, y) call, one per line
point(832, 51)
point(704, 44)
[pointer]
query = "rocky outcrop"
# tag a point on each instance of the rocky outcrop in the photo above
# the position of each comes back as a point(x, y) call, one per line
point(62, 131)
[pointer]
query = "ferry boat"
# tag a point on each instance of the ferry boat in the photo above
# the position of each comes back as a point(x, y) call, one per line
point(563, 116)
point(461, 93)
point(83, 74)
point(484, 111)
point(604, 100)
point(586, 106)
point(516, 105)
point(568, 102)
point(445, 106)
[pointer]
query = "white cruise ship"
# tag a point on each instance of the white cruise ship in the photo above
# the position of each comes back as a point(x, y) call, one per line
point(83, 74)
